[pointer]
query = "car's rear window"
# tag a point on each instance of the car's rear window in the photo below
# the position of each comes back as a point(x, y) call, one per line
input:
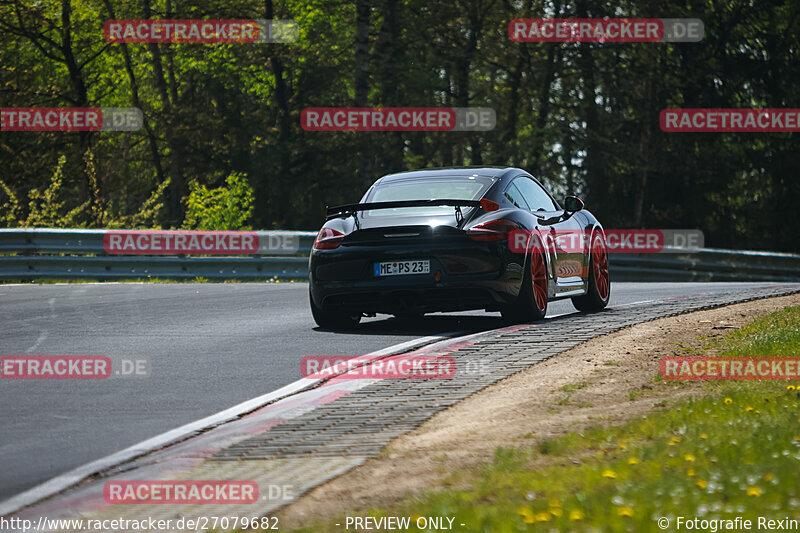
point(466, 188)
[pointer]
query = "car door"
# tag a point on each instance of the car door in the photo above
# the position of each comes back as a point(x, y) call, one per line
point(565, 235)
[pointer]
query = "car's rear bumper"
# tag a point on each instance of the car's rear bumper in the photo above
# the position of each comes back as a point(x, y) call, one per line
point(471, 275)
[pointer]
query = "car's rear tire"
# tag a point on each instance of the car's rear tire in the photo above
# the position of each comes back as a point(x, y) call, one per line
point(332, 320)
point(531, 304)
point(596, 298)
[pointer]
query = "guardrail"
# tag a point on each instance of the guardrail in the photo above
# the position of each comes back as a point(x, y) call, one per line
point(706, 264)
point(35, 253)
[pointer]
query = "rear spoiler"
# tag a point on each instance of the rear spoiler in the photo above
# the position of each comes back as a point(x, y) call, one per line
point(351, 209)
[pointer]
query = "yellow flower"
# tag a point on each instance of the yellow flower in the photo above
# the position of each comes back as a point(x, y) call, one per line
point(753, 491)
point(633, 461)
point(674, 441)
point(757, 411)
point(688, 457)
point(621, 446)
point(609, 474)
point(701, 483)
point(576, 514)
point(796, 438)
point(690, 472)
point(544, 516)
point(748, 409)
point(790, 387)
point(769, 476)
point(526, 514)
point(555, 507)
point(728, 400)
point(625, 511)
point(703, 436)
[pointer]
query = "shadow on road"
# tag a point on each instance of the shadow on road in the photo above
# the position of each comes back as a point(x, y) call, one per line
point(433, 324)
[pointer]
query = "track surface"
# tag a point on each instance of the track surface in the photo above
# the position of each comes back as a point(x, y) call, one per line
point(211, 346)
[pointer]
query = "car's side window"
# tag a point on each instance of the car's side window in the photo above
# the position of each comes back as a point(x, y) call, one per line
point(535, 196)
point(515, 197)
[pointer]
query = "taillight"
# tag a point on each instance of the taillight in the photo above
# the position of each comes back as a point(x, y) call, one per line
point(489, 205)
point(494, 230)
point(328, 239)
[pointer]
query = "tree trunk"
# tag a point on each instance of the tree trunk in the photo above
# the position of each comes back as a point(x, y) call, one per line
point(282, 191)
point(177, 186)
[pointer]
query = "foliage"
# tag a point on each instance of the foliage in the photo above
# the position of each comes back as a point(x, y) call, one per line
point(147, 215)
point(9, 208)
point(581, 116)
point(45, 208)
point(222, 208)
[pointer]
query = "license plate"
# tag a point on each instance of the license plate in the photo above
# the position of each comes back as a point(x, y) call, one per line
point(401, 268)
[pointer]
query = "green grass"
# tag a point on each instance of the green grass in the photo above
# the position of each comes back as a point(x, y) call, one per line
point(734, 451)
point(570, 387)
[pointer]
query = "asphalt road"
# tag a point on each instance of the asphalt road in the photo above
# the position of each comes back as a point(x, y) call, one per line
point(210, 346)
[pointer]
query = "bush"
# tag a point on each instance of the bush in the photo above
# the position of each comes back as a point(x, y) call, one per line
point(224, 208)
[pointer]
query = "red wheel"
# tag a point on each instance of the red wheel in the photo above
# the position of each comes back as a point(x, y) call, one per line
point(598, 288)
point(531, 304)
point(600, 262)
point(539, 279)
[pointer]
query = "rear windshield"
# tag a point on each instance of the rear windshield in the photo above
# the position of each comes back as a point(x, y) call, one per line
point(452, 188)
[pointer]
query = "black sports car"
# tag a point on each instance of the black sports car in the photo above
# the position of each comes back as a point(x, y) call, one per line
point(440, 240)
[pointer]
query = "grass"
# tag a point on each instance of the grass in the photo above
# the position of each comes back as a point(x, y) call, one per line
point(570, 387)
point(733, 452)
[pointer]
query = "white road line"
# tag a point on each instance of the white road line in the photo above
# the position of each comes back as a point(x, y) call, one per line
point(60, 483)
point(42, 336)
point(611, 307)
point(633, 303)
point(562, 314)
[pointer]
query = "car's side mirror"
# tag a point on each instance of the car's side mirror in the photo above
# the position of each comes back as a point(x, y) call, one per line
point(572, 204)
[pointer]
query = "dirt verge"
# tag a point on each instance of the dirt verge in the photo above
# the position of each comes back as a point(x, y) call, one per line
point(609, 379)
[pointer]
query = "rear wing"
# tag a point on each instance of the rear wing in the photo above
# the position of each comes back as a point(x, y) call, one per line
point(351, 209)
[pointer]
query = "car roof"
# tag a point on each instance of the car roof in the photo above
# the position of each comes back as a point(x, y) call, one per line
point(453, 172)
